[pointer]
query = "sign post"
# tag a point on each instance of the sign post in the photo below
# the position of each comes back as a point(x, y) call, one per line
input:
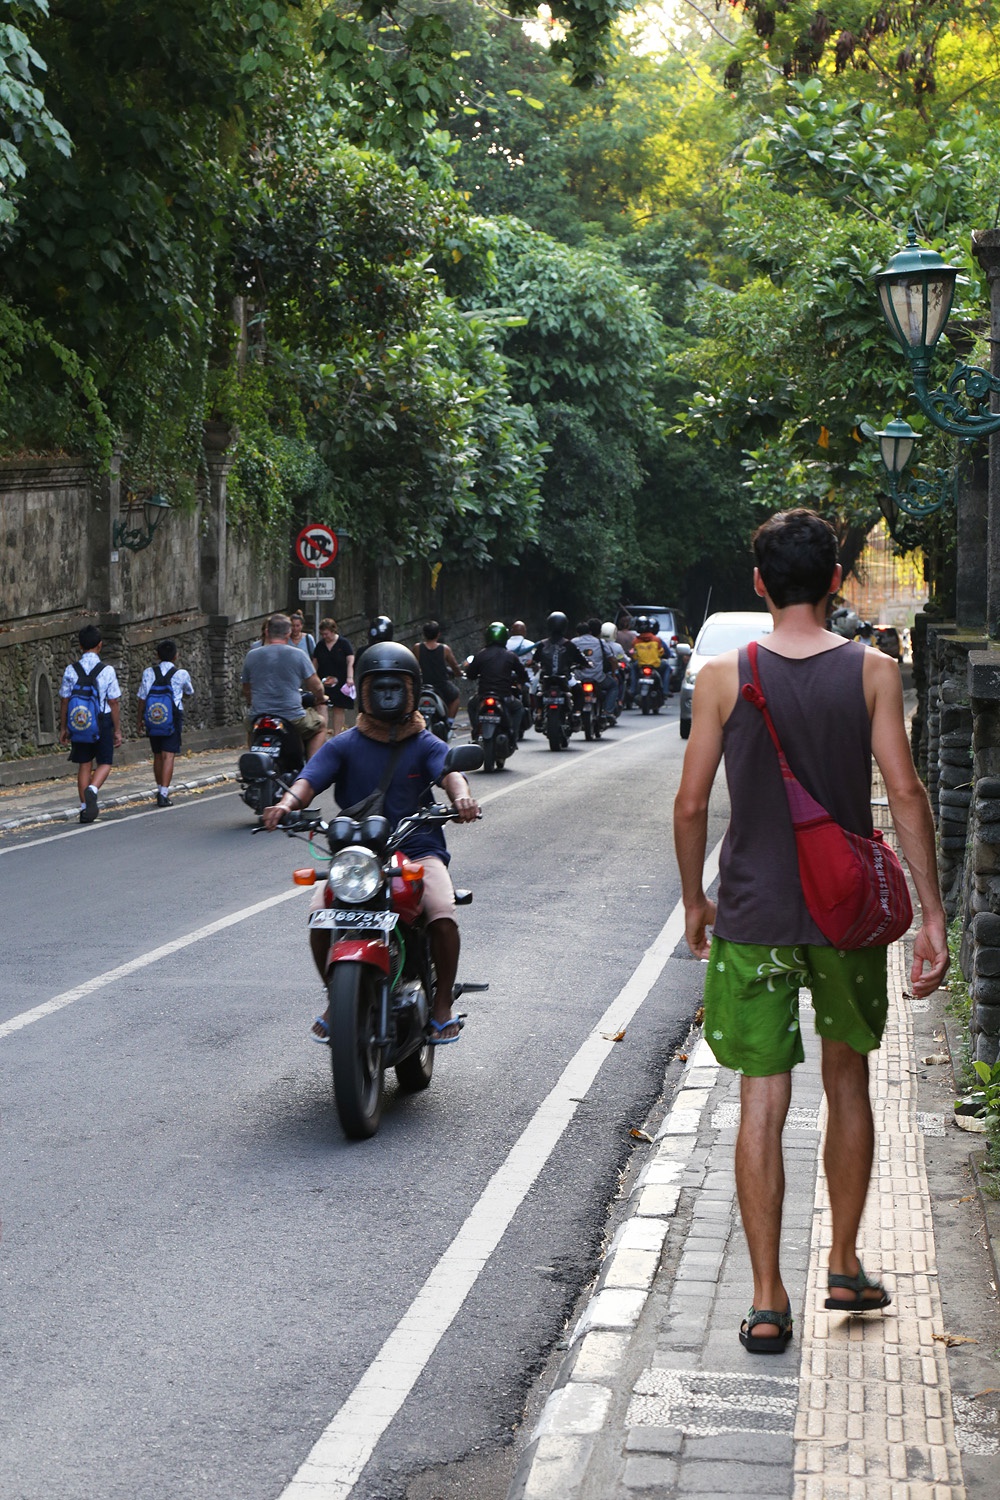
point(316, 546)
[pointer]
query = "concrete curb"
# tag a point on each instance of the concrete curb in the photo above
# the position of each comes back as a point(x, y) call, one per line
point(124, 799)
point(554, 1464)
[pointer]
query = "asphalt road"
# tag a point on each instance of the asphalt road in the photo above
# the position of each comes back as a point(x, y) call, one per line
point(197, 1269)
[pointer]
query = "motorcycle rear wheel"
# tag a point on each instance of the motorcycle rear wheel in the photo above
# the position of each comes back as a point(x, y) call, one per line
point(588, 727)
point(644, 705)
point(358, 1069)
point(489, 756)
point(554, 731)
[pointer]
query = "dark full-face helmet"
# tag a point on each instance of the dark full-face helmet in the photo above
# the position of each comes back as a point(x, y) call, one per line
point(556, 625)
point(641, 623)
point(496, 634)
point(379, 629)
point(389, 681)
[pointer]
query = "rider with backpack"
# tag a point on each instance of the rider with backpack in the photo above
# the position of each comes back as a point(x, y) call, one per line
point(162, 692)
point(89, 719)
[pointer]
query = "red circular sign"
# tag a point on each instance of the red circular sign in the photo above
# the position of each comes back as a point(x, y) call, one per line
point(316, 546)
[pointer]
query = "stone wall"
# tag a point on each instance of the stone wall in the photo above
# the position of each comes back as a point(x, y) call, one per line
point(200, 581)
point(959, 755)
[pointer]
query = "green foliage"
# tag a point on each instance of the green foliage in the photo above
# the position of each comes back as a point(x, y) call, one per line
point(48, 396)
point(23, 110)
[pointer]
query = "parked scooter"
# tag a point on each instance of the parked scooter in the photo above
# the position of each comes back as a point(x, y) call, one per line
point(379, 971)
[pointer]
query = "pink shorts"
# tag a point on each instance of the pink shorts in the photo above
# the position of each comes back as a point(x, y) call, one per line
point(439, 893)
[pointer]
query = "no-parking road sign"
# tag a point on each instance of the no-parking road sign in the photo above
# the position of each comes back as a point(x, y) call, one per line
point(316, 546)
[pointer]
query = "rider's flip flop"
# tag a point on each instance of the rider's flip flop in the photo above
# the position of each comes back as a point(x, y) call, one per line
point(439, 1026)
point(324, 1039)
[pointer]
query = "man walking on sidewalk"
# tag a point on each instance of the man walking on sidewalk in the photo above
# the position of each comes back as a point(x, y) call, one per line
point(835, 705)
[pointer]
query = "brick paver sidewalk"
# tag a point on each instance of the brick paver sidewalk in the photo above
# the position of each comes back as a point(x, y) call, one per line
point(657, 1396)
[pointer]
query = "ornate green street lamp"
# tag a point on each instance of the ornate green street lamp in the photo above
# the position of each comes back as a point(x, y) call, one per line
point(916, 291)
point(154, 507)
point(917, 497)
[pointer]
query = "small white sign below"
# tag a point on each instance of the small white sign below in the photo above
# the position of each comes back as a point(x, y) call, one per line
point(317, 588)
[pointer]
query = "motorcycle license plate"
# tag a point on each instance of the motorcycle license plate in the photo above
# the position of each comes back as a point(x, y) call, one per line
point(353, 921)
point(490, 718)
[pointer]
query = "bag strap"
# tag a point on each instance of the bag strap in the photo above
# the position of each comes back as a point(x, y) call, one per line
point(84, 678)
point(390, 769)
point(161, 678)
point(754, 695)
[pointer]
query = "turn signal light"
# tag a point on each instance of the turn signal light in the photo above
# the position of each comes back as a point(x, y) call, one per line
point(304, 877)
point(411, 872)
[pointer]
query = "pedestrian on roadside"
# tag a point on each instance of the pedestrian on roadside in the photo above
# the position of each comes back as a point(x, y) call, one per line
point(834, 705)
point(90, 719)
point(334, 662)
point(162, 692)
point(300, 637)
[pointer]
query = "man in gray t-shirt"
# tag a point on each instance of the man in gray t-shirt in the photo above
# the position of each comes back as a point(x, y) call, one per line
point(274, 678)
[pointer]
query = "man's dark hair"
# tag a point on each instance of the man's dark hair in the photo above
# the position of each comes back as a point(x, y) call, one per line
point(431, 630)
point(90, 638)
point(594, 626)
point(796, 553)
point(166, 650)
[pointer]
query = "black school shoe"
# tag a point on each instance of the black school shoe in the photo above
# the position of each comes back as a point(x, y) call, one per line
point(90, 808)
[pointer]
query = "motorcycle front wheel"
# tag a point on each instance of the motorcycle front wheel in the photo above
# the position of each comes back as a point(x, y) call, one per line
point(358, 1070)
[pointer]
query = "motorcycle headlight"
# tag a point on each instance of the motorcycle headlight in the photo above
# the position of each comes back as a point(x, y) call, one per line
point(355, 875)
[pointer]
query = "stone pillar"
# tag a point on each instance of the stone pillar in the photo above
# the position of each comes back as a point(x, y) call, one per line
point(986, 249)
point(972, 542)
point(981, 946)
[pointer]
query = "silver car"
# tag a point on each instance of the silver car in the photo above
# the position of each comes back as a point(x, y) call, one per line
point(721, 632)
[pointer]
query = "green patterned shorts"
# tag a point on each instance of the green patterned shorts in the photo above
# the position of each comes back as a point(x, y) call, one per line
point(752, 1002)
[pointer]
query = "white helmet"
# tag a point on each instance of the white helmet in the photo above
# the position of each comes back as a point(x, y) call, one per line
point(608, 631)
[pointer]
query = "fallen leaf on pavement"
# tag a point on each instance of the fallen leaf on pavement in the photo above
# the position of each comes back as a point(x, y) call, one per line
point(969, 1198)
point(640, 1135)
point(614, 1036)
point(951, 1339)
point(680, 1057)
point(934, 1059)
point(699, 1015)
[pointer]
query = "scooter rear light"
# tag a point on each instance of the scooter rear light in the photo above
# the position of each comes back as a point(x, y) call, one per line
point(489, 703)
point(304, 877)
point(588, 687)
point(267, 723)
point(647, 671)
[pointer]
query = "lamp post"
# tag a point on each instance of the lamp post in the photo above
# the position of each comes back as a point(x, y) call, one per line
point(134, 538)
point(915, 497)
point(916, 290)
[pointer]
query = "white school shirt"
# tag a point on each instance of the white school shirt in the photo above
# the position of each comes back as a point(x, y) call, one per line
point(106, 682)
point(180, 684)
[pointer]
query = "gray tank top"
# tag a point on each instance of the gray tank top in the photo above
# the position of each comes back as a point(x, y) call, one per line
point(819, 710)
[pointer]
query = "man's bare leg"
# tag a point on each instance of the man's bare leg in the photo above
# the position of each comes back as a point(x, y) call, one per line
point(445, 945)
point(760, 1185)
point(847, 1156)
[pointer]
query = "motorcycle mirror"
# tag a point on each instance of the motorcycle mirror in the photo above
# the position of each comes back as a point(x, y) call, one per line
point(462, 758)
point(683, 650)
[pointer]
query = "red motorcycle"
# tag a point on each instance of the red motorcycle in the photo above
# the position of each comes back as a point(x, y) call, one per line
point(379, 970)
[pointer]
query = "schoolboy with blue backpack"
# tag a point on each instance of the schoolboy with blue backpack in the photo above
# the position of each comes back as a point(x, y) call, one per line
point(162, 692)
point(89, 719)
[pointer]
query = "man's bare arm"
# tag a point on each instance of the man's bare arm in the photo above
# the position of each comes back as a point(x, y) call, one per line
point(911, 817)
point(712, 693)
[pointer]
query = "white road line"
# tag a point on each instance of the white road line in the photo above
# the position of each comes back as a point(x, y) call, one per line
point(71, 833)
point(100, 981)
point(337, 1459)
